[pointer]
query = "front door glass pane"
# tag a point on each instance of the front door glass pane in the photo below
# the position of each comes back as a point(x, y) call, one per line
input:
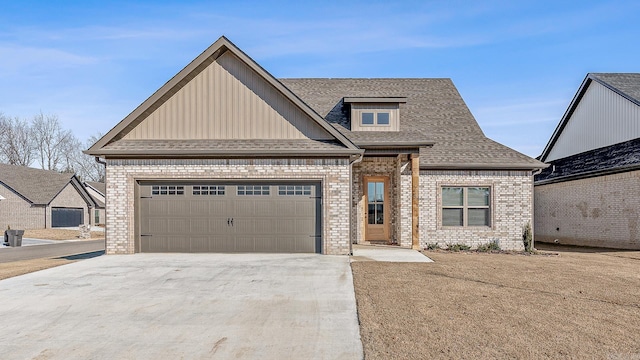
point(375, 199)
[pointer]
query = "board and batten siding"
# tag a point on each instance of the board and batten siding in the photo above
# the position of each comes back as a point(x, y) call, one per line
point(228, 100)
point(601, 118)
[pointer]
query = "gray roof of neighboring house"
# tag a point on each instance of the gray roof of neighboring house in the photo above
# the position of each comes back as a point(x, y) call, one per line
point(434, 112)
point(625, 84)
point(36, 186)
point(100, 186)
point(620, 157)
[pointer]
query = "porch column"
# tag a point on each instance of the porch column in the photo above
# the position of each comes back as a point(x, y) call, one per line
point(415, 201)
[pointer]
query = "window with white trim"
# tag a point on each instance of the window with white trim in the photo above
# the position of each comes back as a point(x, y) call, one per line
point(466, 206)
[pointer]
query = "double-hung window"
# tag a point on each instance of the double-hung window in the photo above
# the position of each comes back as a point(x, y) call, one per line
point(466, 206)
point(375, 118)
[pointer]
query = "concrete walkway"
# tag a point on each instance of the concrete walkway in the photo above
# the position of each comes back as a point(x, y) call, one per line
point(387, 254)
point(183, 306)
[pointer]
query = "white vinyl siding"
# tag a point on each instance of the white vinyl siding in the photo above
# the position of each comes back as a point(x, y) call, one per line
point(601, 118)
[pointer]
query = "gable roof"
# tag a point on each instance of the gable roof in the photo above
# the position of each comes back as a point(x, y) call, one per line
point(97, 186)
point(183, 77)
point(627, 85)
point(39, 187)
point(434, 114)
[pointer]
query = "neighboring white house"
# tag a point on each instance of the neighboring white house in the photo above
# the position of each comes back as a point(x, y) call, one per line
point(590, 193)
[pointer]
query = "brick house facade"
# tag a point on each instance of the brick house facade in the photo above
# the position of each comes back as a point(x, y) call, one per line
point(224, 157)
point(38, 199)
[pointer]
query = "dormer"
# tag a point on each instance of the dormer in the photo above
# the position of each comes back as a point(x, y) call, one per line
point(375, 113)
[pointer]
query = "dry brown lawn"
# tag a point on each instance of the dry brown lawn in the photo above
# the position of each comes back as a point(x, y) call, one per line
point(578, 304)
point(59, 234)
point(15, 268)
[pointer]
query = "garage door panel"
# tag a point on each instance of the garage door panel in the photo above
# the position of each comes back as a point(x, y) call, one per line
point(263, 226)
point(269, 220)
point(221, 243)
point(304, 208)
point(154, 244)
point(266, 244)
point(198, 226)
point(219, 207)
point(199, 208)
point(244, 243)
point(177, 208)
point(158, 226)
point(157, 207)
point(199, 244)
point(178, 226)
point(179, 244)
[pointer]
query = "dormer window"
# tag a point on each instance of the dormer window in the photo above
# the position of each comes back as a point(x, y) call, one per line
point(375, 114)
point(375, 118)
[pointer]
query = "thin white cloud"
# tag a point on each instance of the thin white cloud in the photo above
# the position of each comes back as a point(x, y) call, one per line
point(21, 57)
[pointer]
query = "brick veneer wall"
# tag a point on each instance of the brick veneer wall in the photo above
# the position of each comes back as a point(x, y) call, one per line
point(69, 197)
point(511, 203)
point(18, 213)
point(600, 211)
point(333, 173)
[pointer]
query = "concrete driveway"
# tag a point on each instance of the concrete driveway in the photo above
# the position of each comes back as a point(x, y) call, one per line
point(183, 306)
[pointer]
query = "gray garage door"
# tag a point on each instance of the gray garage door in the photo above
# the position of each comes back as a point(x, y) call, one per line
point(251, 217)
point(66, 217)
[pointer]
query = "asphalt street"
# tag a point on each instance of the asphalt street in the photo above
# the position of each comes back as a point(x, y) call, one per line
point(9, 254)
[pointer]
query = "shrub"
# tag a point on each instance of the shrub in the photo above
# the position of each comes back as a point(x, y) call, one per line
point(458, 247)
point(492, 246)
point(527, 237)
point(433, 246)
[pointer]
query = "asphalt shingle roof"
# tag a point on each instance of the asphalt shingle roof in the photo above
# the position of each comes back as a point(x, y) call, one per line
point(434, 111)
point(617, 157)
point(38, 186)
point(230, 146)
point(626, 83)
point(100, 186)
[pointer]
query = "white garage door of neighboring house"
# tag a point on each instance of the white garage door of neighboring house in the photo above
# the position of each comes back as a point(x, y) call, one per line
point(66, 217)
point(229, 217)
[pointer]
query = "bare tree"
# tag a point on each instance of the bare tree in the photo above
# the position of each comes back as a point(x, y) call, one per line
point(16, 141)
point(51, 142)
point(86, 166)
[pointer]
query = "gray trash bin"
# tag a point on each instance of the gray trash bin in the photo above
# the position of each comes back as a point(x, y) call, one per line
point(13, 237)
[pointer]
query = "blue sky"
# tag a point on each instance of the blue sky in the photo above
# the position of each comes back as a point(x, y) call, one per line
point(517, 64)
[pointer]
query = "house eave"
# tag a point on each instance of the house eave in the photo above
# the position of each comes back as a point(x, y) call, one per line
point(488, 166)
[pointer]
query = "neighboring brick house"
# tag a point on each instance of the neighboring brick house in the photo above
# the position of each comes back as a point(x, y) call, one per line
point(225, 157)
point(38, 199)
point(590, 193)
point(97, 191)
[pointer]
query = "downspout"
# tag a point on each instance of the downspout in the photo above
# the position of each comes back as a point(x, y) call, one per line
point(533, 209)
point(97, 158)
point(354, 161)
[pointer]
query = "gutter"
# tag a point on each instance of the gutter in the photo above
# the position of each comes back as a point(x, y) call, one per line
point(353, 162)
